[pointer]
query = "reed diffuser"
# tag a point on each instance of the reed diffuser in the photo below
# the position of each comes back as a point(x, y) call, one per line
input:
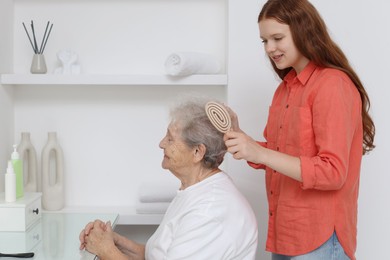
point(38, 64)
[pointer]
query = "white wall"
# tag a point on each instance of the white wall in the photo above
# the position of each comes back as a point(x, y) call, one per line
point(6, 93)
point(361, 29)
point(119, 36)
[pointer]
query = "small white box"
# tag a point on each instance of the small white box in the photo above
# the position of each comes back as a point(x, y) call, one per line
point(21, 214)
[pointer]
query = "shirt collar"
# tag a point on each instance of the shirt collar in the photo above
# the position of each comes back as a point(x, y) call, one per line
point(303, 76)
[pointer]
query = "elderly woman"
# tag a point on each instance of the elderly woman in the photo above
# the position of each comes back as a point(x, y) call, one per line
point(208, 219)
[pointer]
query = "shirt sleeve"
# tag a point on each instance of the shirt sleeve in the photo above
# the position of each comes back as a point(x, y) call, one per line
point(198, 237)
point(336, 109)
point(257, 165)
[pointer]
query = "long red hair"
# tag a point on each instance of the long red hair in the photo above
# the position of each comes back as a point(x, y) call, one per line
point(311, 37)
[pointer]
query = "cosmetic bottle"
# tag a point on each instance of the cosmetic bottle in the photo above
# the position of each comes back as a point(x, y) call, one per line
point(18, 170)
point(10, 184)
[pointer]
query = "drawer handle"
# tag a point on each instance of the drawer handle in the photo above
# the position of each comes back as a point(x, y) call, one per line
point(36, 211)
point(36, 237)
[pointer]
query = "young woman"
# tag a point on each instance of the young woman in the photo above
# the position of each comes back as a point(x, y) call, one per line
point(318, 128)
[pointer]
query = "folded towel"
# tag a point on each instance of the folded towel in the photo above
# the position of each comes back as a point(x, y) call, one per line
point(151, 208)
point(157, 191)
point(188, 63)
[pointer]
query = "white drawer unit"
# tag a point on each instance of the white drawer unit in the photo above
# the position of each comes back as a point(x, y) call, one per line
point(22, 241)
point(21, 214)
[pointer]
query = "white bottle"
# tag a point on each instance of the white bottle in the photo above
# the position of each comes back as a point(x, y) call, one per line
point(18, 170)
point(10, 183)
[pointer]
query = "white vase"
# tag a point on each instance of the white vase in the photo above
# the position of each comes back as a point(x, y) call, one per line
point(28, 156)
point(52, 174)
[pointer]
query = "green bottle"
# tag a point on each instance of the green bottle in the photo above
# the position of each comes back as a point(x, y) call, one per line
point(18, 169)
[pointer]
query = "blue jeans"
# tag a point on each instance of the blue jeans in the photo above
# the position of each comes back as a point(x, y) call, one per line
point(330, 250)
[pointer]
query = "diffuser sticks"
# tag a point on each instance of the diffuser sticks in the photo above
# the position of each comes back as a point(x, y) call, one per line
point(33, 41)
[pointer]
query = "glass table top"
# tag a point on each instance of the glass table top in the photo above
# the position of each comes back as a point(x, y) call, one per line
point(54, 237)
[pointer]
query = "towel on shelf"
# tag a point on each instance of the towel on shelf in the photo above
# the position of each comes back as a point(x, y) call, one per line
point(189, 63)
point(151, 207)
point(150, 192)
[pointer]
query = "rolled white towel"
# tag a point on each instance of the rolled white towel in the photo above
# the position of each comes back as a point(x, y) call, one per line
point(151, 208)
point(157, 191)
point(188, 63)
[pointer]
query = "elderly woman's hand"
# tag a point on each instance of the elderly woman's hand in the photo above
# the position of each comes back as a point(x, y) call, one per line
point(85, 232)
point(99, 239)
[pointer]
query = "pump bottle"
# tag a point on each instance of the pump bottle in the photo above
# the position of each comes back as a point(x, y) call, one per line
point(10, 184)
point(18, 169)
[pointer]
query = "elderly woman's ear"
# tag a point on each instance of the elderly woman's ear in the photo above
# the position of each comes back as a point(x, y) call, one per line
point(199, 152)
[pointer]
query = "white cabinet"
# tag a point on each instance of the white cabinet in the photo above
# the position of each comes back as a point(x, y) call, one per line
point(110, 118)
point(21, 214)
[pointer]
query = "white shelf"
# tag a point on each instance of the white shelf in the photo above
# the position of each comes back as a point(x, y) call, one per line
point(90, 79)
point(127, 215)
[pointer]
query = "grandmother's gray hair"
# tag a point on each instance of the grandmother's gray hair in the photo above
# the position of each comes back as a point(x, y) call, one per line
point(197, 129)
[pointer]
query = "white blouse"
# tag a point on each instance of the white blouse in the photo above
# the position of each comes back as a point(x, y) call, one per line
point(208, 220)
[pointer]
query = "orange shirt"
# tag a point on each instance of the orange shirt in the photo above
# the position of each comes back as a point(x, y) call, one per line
point(315, 116)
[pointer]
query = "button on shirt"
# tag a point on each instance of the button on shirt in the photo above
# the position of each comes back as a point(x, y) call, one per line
point(316, 116)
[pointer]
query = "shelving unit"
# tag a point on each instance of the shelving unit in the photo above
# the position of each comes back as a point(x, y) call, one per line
point(127, 215)
point(83, 79)
point(106, 131)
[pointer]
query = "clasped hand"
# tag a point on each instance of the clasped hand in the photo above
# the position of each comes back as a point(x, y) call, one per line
point(97, 237)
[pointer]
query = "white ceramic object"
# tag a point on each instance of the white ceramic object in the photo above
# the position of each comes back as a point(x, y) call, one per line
point(52, 174)
point(68, 60)
point(28, 156)
point(38, 65)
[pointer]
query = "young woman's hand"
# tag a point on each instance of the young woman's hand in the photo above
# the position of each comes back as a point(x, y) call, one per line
point(234, 120)
point(242, 146)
